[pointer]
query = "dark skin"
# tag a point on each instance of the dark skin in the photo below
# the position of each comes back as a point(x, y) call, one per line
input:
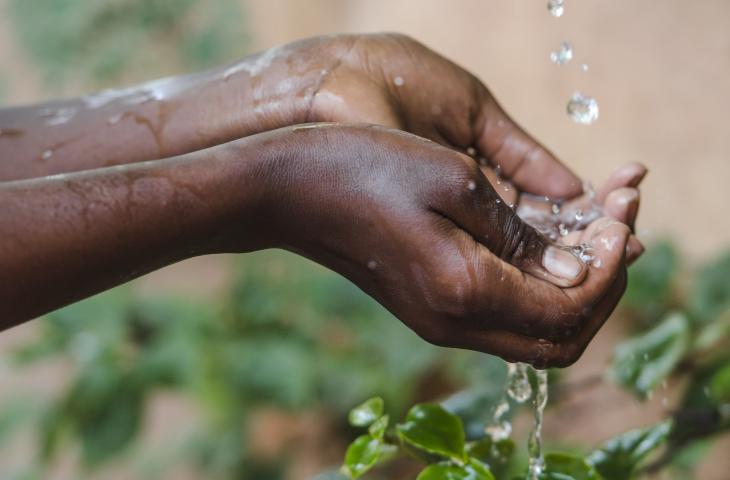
point(226, 166)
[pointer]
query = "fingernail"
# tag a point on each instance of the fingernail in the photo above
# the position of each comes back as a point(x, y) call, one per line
point(561, 263)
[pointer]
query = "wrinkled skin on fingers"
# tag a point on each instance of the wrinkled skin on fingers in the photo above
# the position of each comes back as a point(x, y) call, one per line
point(417, 226)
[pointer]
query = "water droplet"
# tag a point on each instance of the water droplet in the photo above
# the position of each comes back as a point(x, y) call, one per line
point(471, 185)
point(584, 252)
point(578, 215)
point(563, 55)
point(47, 154)
point(498, 171)
point(471, 151)
point(584, 67)
point(498, 201)
point(518, 383)
point(399, 82)
point(556, 7)
point(57, 117)
point(372, 265)
point(555, 209)
point(588, 190)
point(114, 119)
point(563, 230)
point(582, 109)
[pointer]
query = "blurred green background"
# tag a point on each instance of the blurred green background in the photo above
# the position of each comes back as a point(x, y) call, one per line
point(252, 378)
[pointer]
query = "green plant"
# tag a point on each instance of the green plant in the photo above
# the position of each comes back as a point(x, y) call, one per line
point(437, 438)
point(679, 339)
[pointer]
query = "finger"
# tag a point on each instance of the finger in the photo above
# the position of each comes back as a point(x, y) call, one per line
point(634, 249)
point(622, 204)
point(629, 175)
point(529, 165)
point(476, 208)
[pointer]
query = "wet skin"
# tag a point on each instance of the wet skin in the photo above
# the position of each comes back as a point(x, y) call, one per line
point(414, 222)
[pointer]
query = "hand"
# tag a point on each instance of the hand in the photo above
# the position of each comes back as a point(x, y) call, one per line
point(392, 80)
point(419, 228)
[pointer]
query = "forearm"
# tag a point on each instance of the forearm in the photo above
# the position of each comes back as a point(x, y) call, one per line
point(66, 237)
point(162, 118)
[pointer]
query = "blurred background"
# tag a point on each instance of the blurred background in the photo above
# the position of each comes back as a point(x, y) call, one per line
point(245, 367)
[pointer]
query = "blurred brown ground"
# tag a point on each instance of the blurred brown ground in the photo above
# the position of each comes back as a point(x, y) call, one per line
point(660, 71)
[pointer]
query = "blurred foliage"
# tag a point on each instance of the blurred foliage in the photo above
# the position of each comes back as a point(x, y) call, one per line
point(96, 43)
point(289, 334)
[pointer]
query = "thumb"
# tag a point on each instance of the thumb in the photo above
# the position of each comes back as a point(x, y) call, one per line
point(523, 160)
point(492, 223)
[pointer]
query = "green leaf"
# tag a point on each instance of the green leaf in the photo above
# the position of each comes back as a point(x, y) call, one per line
point(719, 387)
point(490, 452)
point(474, 470)
point(715, 333)
point(711, 294)
point(619, 457)
point(431, 428)
point(561, 466)
point(378, 427)
point(650, 280)
point(642, 362)
point(367, 412)
point(361, 456)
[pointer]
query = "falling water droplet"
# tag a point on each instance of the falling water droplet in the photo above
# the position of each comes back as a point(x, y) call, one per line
point(563, 55)
point(556, 7)
point(534, 444)
point(582, 109)
point(518, 385)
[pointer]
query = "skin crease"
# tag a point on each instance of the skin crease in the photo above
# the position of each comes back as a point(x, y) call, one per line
point(414, 223)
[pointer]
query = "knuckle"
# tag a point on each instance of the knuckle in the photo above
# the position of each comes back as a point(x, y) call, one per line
point(521, 244)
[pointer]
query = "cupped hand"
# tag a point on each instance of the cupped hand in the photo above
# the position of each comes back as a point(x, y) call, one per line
point(420, 228)
point(394, 81)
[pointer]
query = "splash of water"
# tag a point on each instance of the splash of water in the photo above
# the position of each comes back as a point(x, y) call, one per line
point(534, 444)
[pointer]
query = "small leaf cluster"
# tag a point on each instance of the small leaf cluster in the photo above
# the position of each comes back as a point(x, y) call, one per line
point(436, 436)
